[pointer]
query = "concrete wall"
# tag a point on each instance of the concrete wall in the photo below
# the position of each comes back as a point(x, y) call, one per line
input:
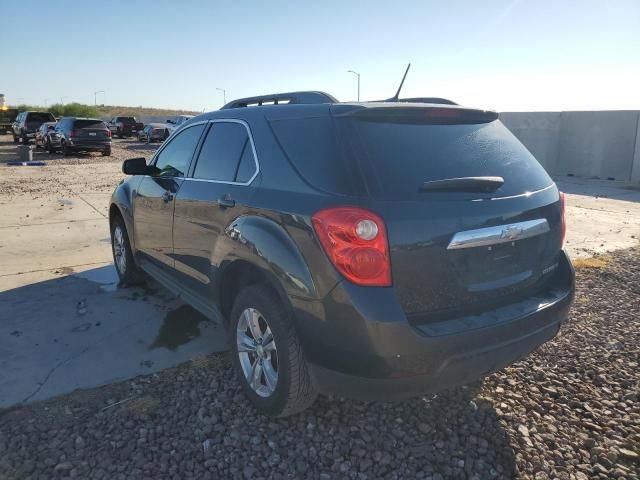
point(604, 144)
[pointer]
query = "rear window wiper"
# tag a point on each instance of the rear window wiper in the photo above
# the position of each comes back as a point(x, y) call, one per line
point(464, 184)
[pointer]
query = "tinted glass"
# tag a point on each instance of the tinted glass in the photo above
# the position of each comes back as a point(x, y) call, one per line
point(399, 157)
point(89, 124)
point(312, 145)
point(39, 117)
point(221, 152)
point(247, 166)
point(174, 159)
point(127, 120)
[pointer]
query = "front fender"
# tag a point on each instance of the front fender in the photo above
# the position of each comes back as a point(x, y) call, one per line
point(266, 244)
point(122, 199)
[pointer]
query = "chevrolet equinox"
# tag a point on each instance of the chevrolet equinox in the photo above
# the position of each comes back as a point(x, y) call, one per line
point(376, 250)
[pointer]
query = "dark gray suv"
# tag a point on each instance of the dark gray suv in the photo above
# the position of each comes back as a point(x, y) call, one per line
point(375, 250)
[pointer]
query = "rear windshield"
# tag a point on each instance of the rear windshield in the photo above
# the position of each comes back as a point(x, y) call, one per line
point(89, 124)
point(127, 120)
point(39, 117)
point(397, 158)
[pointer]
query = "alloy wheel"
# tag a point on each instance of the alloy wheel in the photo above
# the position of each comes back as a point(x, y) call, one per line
point(119, 250)
point(257, 352)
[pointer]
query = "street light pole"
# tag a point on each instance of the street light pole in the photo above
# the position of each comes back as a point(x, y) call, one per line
point(357, 75)
point(62, 99)
point(224, 95)
point(95, 94)
point(46, 100)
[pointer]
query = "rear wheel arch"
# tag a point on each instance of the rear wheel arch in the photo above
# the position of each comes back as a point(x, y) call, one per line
point(240, 274)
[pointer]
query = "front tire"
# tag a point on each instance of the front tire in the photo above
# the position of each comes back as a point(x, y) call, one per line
point(128, 271)
point(267, 354)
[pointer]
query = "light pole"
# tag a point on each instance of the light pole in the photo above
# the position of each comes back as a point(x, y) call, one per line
point(357, 75)
point(95, 94)
point(46, 100)
point(62, 99)
point(224, 95)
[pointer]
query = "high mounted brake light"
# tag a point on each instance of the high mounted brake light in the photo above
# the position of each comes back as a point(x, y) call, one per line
point(355, 240)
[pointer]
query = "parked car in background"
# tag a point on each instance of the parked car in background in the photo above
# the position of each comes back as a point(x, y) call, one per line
point(153, 132)
point(42, 138)
point(375, 250)
point(177, 122)
point(28, 123)
point(124, 126)
point(73, 134)
point(7, 117)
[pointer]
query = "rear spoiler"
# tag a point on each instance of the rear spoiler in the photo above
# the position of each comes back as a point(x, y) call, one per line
point(422, 114)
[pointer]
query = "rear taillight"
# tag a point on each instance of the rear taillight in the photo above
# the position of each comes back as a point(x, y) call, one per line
point(355, 240)
point(73, 133)
point(26, 126)
point(108, 133)
point(563, 218)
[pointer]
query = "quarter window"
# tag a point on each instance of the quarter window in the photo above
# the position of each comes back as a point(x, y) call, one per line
point(226, 154)
point(174, 159)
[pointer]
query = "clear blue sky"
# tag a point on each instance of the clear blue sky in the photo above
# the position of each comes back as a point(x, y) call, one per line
point(499, 54)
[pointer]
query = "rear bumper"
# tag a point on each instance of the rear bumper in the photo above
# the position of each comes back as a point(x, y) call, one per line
point(90, 146)
point(365, 348)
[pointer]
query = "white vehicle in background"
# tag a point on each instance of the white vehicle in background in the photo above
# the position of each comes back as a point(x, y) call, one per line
point(173, 125)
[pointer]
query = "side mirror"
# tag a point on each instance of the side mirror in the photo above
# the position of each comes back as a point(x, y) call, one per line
point(135, 166)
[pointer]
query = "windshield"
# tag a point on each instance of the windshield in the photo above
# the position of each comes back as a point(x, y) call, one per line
point(39, 117)
point(91, 123)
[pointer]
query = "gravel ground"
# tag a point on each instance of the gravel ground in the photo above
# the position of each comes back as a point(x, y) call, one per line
point(570, 411)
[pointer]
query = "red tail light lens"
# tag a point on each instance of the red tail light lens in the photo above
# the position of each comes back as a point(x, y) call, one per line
point(355, 240)
point(73, 133)
point(109, 133)
point(564, 221)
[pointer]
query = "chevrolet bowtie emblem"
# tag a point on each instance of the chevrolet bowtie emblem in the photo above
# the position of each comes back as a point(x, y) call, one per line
point(511, 232)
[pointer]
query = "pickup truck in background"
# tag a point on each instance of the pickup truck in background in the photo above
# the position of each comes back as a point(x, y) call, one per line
point(124, 126)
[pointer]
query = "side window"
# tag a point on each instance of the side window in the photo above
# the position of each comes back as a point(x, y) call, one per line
point(174, 159)
point(226, 148)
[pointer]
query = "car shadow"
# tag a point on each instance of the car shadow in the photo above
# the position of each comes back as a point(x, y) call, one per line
point(81, 329)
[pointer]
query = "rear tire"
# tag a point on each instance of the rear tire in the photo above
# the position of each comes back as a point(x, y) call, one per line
point(128, 271)
point(15, 138)
point(107, 152)
point(66, 151)
point(293, 389)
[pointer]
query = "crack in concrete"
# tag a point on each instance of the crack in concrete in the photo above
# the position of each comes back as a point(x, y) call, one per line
point(67, 360)
point(22, 225)
point(106, 262)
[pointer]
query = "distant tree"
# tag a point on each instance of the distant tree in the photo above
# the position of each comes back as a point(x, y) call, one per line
point(23, 107)
point(73, 110)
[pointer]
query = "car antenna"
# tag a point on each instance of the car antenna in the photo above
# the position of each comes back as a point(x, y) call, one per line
point(397, 95)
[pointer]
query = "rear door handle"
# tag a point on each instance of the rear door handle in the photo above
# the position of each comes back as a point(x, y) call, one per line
point(167, 197)
point(226, 202)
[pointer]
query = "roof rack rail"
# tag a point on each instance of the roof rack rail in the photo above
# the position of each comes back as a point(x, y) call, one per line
point(282, 98)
